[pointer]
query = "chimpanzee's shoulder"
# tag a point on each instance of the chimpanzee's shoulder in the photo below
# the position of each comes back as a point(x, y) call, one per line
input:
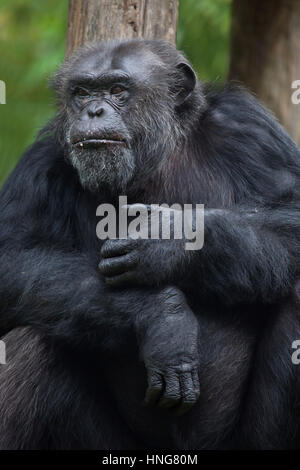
point(237, 119)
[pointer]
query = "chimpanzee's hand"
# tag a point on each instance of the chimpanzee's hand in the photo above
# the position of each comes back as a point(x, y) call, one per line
point(141, 262)
point(146, 261)
point(169, 349)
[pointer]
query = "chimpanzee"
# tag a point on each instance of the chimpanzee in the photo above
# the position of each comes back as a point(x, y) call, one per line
point(89, 323)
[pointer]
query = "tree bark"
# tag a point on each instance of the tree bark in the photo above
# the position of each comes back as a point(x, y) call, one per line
point(97, 20)
point(265, 54)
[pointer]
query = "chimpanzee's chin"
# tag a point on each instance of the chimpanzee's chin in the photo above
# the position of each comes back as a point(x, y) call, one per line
point(111, 169)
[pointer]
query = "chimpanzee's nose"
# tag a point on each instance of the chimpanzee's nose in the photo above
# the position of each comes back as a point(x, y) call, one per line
point(95, 111)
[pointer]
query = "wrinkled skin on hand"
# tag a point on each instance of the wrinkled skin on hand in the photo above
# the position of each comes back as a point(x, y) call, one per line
point(169, 349)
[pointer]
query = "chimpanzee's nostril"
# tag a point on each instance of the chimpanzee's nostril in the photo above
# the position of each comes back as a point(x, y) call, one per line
point(95, 112)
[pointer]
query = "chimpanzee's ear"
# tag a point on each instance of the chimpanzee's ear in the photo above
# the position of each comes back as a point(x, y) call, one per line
point(186, 82)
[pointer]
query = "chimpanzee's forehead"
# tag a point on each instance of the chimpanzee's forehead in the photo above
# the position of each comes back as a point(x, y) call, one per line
point(134, 62)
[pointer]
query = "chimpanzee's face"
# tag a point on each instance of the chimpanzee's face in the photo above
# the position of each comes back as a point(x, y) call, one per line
point(119, 113)
point(104, 91)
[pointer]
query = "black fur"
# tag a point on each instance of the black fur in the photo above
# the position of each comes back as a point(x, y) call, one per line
point(81, 338)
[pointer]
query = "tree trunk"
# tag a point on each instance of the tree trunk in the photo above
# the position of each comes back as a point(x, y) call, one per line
point(97, 20)
point(265, 54)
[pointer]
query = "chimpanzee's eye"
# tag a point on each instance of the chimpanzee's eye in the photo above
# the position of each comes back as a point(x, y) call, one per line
point(116, 90)
point(81, 92)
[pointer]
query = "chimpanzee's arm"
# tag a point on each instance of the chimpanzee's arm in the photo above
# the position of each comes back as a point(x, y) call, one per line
point(248, 255)
point(45, 281)
point(252, 239)
point(55, 292)
point(61, 296)
point(168, 336)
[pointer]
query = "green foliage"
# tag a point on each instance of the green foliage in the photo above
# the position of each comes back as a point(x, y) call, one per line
point(32, 44)
point(203, 34)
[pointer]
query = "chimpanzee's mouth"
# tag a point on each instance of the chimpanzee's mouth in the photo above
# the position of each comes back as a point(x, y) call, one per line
point(97, 142)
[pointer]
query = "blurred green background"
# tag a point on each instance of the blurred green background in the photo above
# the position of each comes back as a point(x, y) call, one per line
point(32, 45)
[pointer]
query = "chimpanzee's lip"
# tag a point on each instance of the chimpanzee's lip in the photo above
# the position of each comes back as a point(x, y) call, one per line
point(96, 142)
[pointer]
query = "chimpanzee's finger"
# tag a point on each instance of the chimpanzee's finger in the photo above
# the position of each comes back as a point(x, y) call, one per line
point(155, 387)
point(188, 394)
point(172, 394)
point(196, 382)
point(117, 264)
point(117, 247)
